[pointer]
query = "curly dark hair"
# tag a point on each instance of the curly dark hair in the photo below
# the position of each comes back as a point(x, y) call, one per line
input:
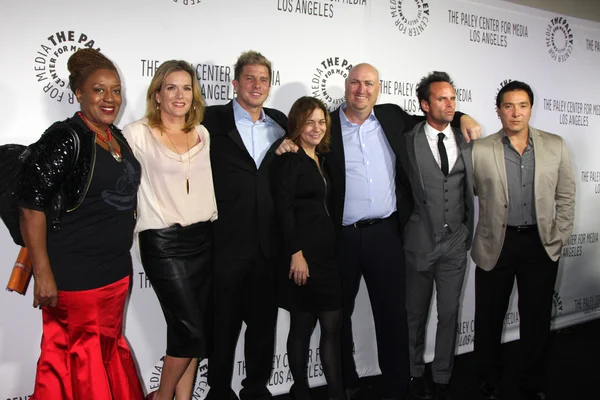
point(424, 86)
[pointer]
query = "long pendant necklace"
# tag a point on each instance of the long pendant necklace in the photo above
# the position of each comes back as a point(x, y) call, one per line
point(113, 152)
point(187, 172)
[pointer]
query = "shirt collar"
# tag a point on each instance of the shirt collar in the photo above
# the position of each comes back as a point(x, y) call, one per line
point(507, 140)
point(346, 122)
point(239, 114)
point(432, 133)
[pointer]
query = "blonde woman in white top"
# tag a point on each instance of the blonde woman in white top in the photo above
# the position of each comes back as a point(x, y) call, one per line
point(176, 205)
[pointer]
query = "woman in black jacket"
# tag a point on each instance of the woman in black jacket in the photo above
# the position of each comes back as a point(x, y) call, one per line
point(82, 270)
point(313, 291)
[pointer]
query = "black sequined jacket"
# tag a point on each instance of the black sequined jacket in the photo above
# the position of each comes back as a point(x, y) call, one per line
point(53, 181)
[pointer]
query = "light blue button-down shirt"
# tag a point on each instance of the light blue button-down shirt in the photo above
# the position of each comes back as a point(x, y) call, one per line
point(370, 170)
point(257, 136)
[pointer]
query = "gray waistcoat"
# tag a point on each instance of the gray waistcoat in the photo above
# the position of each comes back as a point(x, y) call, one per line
point(445, 194)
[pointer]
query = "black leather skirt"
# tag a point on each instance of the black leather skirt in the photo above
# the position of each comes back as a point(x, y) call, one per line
point(179, 264)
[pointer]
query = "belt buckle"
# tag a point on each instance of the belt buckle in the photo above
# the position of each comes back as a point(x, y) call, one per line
point(364, 223)
point(523, 228)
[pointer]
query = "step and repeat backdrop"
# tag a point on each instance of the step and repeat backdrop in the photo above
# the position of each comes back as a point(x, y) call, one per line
point(312, 45)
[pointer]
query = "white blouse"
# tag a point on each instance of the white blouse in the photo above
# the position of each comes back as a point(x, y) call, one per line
point(163, 199)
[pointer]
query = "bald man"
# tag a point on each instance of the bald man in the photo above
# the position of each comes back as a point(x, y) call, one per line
point(370, 204)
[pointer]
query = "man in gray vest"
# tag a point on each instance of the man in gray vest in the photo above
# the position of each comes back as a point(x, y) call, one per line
point(439, 231)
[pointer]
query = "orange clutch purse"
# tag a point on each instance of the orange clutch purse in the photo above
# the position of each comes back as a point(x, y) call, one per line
point(21, 273)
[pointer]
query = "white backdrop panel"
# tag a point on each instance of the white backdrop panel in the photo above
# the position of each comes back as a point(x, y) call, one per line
point(312, 44)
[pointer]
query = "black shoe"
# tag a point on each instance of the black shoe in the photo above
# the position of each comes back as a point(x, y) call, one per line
point(442, 391)
point(490, 391)
point(419, 388)
point(533, 394)
point(354, 394)
point(300, 393)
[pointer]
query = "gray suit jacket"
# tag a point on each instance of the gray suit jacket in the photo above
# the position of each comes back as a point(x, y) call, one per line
point(554, 191)
point(419, 232)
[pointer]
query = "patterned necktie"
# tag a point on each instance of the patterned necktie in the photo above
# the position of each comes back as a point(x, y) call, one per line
point(443, 154)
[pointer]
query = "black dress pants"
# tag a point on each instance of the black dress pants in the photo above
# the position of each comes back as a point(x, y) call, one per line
point(523, 256)
point(244, 292)
point(376, 253)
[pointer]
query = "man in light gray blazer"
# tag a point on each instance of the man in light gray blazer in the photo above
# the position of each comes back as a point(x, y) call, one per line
point(524, 180)
point(439, 231)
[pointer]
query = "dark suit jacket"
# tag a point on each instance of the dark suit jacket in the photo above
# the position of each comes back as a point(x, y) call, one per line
point(300, 194)
point(246, 226)
point(395, 122)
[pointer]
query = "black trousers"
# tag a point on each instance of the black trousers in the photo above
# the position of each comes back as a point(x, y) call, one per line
point(523, 256)
point(376, 253)
point(244, 291)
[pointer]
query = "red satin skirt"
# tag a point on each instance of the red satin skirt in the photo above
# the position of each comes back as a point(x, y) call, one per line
point(84, 353)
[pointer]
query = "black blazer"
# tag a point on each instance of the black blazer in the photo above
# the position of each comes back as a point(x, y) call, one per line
point(395, 122)
point(300, 194)
point(246, 226)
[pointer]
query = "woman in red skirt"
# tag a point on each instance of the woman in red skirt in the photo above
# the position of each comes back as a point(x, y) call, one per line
point(78, 202)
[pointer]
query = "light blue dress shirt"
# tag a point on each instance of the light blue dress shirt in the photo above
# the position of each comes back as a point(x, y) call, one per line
point(370, 170)
point(257, 136)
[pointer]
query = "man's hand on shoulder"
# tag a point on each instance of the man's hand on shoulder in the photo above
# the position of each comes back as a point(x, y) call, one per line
point(470, 129)
point(287, 146)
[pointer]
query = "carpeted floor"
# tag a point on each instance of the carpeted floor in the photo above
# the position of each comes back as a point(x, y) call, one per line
point(573, 369)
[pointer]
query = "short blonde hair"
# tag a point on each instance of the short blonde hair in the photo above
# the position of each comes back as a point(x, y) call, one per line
point(196, 112)
point(250, 57)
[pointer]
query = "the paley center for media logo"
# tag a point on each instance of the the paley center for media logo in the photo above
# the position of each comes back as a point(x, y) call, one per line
point(328, 81)
point(50, 62)
point(411, 17)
